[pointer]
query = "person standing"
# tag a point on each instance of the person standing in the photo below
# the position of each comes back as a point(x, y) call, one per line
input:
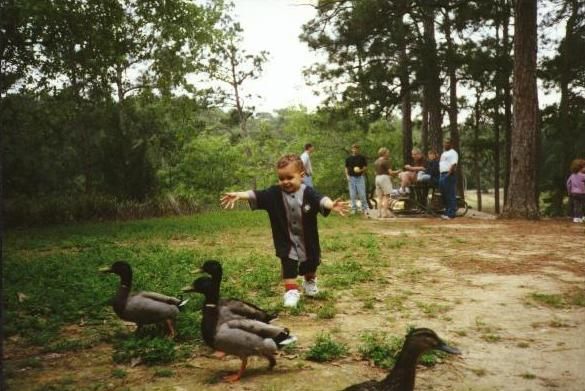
point(576, 189)
point(355, 167)
point(306, 158)
point(383, 169)
point(292, 209)
point(448, 179)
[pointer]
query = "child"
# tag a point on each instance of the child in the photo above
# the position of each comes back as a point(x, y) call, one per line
point(576, 189)
point(431, 173)
point(292, 208)
point(382, 167)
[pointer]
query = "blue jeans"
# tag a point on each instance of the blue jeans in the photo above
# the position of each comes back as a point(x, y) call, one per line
point(308, 180)
point(448, 187)
point(357, 185)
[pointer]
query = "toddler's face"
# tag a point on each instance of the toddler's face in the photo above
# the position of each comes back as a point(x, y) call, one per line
point(290, 178)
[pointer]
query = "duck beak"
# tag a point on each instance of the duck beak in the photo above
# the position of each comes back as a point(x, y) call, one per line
point(187, 288)
point(105, 269)
point(448, 349)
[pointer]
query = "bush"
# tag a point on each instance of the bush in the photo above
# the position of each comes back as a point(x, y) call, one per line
point(325, 349)
point(66, 209)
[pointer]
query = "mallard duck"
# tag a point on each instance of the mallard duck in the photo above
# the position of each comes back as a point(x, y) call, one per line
point(142, 307)
point(403, 374)
point(240, 337)
point(234, 308)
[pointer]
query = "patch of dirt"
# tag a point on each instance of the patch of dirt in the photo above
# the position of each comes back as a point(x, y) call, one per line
point(470, 280)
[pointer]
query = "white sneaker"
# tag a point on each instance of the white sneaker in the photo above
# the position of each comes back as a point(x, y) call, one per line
point(310, 288)
point(291, 298)
point(445, 217)
point(577, 220)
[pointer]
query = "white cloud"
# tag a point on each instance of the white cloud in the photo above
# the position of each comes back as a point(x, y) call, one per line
point(275, 26)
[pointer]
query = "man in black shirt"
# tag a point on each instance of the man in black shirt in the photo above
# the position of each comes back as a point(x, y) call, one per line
point(355, 167)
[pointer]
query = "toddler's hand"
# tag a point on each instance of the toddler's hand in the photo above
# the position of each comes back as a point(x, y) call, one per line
point(228, 200)
point(341, 207)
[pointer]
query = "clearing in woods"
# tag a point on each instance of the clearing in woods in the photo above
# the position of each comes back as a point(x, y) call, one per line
point(509, 294)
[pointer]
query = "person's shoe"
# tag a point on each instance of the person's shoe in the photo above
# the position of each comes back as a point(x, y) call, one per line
point(310, 288)
point(291, 298)
point(445, 217)
point(577, 220)
point(366, 214)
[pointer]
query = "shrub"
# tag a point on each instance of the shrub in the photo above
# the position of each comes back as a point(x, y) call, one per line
point(325, 349)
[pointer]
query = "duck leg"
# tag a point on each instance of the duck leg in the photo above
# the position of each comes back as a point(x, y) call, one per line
point(236, 376)
point(271, 361)
point(171, 328)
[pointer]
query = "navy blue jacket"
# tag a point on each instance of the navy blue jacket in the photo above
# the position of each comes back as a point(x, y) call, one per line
point(272, 201)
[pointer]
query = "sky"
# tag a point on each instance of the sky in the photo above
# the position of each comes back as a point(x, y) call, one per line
point(275, 26)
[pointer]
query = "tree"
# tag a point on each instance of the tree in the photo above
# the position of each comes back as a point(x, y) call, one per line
point(522, 188)
point(233, 66)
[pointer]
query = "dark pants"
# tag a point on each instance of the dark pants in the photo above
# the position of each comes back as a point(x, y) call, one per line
point(578, 201)
point(448, 187)
point(292, 268)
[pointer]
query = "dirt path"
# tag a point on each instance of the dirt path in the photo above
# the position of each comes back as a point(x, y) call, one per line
point(510, 295)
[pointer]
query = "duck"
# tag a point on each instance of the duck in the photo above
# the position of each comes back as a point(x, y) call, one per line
point(234, 308)
point(402, 377)
point(142, 307)
point(241, 337)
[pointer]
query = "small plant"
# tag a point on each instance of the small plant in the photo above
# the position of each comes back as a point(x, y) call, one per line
point(328, 311)
point(325, 349)
point(555, 301)
point(163, 372)
point(147, 350)
point(30, 362)
point(528, 375)
point(380, 348)
point(523, 345)
point(119, 373)
point(479, 372)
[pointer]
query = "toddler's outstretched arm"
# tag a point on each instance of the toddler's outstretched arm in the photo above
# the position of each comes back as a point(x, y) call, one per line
point(228, 200)
point(339, 206)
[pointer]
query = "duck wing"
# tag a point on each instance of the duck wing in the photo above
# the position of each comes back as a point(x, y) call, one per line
point(160, 297)
point(240, 308)
point(144, 309)
point(247, 337)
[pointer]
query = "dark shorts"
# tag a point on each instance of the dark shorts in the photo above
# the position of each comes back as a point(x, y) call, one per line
point(292, 268)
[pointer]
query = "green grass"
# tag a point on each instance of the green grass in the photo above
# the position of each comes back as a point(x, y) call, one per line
point(383, 350)
point(326, 349)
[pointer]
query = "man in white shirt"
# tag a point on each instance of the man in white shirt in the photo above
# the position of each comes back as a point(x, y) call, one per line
point(448, 179)
point(306, 158)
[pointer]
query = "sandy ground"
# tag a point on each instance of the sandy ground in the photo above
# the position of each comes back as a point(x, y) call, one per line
point(482, 276)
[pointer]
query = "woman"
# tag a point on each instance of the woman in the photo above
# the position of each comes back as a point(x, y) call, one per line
point(382, 167)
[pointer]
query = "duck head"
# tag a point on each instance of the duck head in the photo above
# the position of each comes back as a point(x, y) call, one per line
point(203, 285)
point(122, 269)
point(423, 339)
point(213, 268)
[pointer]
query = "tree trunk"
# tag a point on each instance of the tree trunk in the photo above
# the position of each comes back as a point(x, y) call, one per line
point(507, 99)
point(424, 129)
point(405, 91)
point(433, 90)
point(521, 201)
point(563, 124)
point(476, 170)
point(453, 107)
